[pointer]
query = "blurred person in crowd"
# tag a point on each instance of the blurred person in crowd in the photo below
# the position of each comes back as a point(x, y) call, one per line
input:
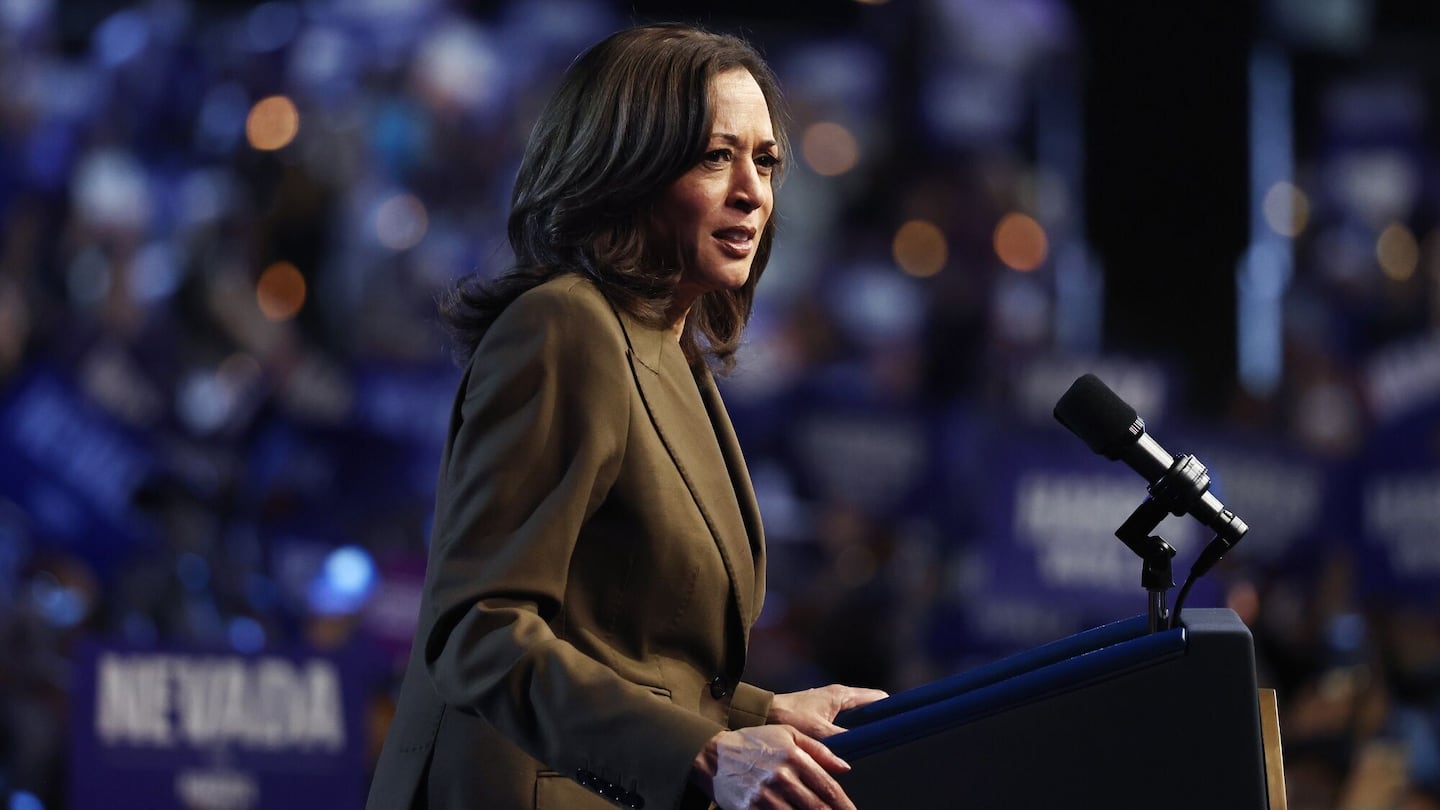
point(598, 559)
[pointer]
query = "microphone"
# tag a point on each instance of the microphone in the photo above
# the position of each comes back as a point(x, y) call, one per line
point(1113, 429)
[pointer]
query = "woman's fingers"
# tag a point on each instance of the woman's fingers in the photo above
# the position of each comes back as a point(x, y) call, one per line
point(824, 762)
point(805, 787)
point(813, 710)
point(821, 755)
point(853, 696)
point(774, 768)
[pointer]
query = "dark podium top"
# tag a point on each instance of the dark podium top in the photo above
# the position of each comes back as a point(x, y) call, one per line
point(1113, 717)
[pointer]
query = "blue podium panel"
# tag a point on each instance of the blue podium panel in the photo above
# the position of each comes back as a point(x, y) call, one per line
point(1112, 718)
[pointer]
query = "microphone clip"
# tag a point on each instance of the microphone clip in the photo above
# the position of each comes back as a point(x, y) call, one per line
point(1176, 492)
point(1182, 486)
point(1155, 555)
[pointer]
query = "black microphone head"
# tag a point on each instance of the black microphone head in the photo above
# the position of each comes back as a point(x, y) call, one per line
point(1099, 417)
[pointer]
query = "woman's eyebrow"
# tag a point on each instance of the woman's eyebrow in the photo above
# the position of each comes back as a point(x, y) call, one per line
point(733, 139)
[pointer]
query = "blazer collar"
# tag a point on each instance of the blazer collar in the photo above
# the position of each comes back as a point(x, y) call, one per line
point(710, 464)
point(647, 345)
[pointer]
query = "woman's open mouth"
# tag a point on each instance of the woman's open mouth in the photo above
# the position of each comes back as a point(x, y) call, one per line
point(737, 241)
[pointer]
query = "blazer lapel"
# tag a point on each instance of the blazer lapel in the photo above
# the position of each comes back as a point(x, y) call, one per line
point(679, 416)
point(740, 483)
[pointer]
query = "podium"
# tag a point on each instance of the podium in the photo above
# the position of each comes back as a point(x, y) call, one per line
point(1114, 717)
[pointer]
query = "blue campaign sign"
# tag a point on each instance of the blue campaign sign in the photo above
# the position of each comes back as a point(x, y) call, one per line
point(181, 729)
point(384, 456)
point(1285, 495)
point(1399, 508)
point(1047, 561)
point(409, 403)
point(72, 467)
point(877, 459)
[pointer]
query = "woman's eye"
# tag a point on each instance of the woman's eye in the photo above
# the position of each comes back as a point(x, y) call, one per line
point(717, 155)
point(767, 162)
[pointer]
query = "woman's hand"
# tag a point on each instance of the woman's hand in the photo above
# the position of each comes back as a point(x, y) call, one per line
point(782, 765)
point(771, 767)
point(813, 711)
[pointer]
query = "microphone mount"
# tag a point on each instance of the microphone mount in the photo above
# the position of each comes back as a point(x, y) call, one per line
point(1175, 492)
point(1155, 554)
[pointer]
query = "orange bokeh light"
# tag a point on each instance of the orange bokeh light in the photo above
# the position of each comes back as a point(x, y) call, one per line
point(829, 148)
point(280, 292)
point(272, 124)
point(920, 248)
point(1398, 252)
point(1020, 242)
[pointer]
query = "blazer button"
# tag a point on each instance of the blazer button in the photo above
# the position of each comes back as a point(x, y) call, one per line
point(719, 688)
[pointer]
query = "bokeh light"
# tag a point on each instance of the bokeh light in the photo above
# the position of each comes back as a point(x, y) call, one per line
point(25, 16)
point(1020, 242)
point(57, 601)
point(111, 189)
point(121, 37)
point(222, 117)
point(272, 124)
point(280, 291)
point(829, 148)
point(193, 571)
point(1398, 252)
point(323, 58)
point(920, 248)
point(459, 68)
point(1286, 208)
point(271, 26)
point(246, 635)
point(240, 369)
point(401, 222)
point(203, 403)
point(344, 582)
point(155, 273)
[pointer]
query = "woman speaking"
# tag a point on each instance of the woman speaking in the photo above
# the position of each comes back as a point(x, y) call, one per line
point(597, 559)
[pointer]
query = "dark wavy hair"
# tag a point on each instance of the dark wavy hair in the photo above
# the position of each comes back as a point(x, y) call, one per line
point(631, 115)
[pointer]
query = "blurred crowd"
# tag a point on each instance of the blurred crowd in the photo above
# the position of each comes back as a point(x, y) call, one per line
point(222, 385)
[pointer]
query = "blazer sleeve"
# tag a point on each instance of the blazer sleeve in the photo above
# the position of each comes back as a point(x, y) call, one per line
point(750, 706)
point(539, 440)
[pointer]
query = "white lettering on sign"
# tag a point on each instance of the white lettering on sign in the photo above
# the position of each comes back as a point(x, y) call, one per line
point(1401, 503)
point(1281, 498)
point(267, 703)
point(1070, 522)
point(1399, 378)
point(217, 789)
point(1402, 511)
point(133, 701)
point(870, 461)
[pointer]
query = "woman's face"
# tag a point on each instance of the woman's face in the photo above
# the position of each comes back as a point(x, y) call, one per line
point(716, 211)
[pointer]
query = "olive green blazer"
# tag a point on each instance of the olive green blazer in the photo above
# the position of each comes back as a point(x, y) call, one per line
point(596, 565)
